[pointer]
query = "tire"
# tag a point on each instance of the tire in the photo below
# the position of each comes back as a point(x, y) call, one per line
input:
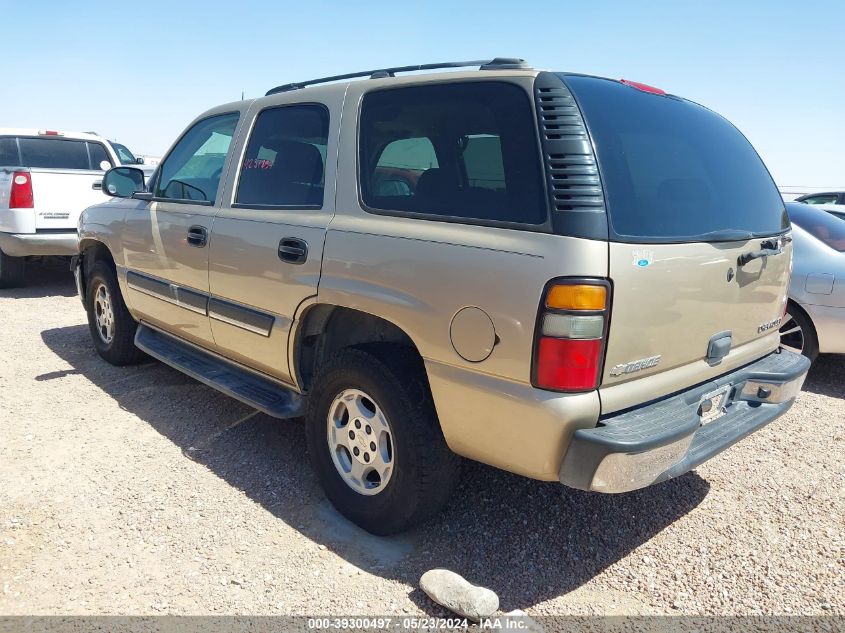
point(797, 332)
point(12, 271)
point(112, 327)
point(422, 472)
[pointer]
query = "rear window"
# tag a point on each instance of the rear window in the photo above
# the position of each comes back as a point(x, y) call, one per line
point(457, 151)
point(673, 170)
point(55, 153)
point(822, 225)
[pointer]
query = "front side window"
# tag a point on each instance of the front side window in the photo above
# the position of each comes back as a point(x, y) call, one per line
point(462, 151)
point(822, 199)
point(193, 169)
point(126, 157)
point(284, 162)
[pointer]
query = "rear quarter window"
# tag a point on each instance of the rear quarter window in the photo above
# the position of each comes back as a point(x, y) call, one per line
point(454, 151)
point(99, 157)
point(9, 152)
point(673, 170)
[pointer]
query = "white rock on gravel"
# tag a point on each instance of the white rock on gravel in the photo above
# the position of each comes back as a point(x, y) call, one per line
point(457, 594)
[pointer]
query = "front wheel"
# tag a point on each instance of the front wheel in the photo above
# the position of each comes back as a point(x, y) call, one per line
point(112, 327)
point(375, 442)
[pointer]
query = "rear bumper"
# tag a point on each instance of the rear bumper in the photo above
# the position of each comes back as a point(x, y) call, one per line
point(27, 244)
point(664, 439)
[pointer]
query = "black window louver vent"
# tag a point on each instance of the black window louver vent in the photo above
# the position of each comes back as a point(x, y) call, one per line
point(571, 171)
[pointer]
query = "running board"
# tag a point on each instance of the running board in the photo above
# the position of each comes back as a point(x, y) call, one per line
point(262, 393)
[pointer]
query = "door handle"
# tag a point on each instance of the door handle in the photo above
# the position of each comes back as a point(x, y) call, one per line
point(197, 236)
point(293, 250)
point(98, 185)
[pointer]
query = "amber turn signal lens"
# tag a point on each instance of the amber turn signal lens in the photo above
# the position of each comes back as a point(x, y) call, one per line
point(577, 297)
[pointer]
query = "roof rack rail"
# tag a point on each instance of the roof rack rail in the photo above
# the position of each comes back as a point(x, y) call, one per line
point(498, 63)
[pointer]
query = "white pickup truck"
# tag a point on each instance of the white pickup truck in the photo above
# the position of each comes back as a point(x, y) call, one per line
point(47, 178)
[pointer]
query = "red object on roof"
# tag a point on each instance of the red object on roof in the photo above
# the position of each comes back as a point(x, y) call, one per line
point(643, 87)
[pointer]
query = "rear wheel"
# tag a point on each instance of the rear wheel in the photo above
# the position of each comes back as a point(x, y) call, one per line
point(12, 270)
point(797, 333)
point(375, 442)
point(112, 327)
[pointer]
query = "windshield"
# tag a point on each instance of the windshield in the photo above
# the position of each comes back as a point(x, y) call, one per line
point(674, 171)
point(126, 157)
point(822, 225)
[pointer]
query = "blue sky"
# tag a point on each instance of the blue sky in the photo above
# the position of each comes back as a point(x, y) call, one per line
point(138, 72)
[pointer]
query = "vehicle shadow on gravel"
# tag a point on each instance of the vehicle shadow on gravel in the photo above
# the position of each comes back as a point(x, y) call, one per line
point(48, 278)
point(827, 376)
point(529, 541)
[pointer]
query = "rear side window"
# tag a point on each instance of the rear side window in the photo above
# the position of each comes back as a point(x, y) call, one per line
point(53, 153)
point(462, 151)
point(673, 170)
point(284, 162)
point(9, 152)
point(99, 156)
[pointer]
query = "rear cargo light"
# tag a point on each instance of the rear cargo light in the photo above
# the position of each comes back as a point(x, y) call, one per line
point(570, 336)
point(643, 87)
point(21, 195)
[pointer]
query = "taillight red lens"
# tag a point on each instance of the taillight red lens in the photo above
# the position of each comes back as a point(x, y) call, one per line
point(21, 195)
point(568, 364)
point(571, 328)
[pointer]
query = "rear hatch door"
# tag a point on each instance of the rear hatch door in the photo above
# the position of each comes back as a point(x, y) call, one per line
point(699, 251)
point(66, 174)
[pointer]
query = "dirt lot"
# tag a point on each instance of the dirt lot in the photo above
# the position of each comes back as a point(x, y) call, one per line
point(140, 491)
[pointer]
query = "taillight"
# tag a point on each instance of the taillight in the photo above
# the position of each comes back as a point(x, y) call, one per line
point(21, 196)
point(570, 336)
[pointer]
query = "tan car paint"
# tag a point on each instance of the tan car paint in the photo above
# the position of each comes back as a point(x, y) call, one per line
point(245, 246)
point(674, 304)
point(418, 274)
point(154, 242)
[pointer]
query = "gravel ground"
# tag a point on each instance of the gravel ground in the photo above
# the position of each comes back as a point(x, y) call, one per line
point(139, 491)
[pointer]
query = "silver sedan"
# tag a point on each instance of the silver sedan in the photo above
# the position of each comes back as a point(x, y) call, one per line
point(815, 315)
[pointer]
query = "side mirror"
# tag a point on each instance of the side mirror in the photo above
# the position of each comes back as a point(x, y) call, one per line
point(122, 182)
point(139, 161)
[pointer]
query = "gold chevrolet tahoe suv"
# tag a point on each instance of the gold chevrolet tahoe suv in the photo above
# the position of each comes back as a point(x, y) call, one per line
point(568, 277)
